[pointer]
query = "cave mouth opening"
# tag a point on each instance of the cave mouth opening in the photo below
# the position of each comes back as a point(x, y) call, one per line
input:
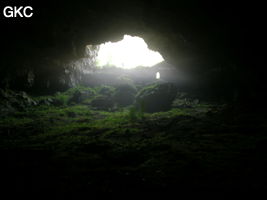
point(128, 53)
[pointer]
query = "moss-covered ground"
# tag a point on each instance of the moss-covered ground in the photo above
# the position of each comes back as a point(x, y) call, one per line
point(74, 148)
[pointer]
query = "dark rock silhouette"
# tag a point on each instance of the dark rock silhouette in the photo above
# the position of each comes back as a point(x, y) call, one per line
point(156, 97)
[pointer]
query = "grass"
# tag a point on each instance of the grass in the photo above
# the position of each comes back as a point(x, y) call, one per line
point(93, 150)
point(50, 124)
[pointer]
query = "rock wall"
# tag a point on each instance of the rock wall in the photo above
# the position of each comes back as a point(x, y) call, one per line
point(195, 36)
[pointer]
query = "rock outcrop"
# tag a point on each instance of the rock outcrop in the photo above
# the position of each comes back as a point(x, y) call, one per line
point(156, 97)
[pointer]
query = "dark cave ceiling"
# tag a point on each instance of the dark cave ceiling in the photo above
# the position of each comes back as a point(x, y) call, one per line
point(181, 30)
point(195, 35)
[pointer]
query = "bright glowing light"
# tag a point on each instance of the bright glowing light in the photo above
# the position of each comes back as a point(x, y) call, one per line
point(127, 53)
point(157, 75)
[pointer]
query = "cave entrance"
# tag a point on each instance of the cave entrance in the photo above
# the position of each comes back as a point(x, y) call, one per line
point(127, 61)
point(128, 53)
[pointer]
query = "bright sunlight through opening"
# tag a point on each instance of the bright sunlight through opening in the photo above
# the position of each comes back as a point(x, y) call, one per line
point(128, 53)
point(157, 75)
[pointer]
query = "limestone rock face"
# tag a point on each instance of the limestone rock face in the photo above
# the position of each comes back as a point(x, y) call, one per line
point(156, 97)
point(54, 50)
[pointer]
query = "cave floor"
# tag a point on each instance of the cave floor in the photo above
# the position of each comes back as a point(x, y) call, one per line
point(76, 149)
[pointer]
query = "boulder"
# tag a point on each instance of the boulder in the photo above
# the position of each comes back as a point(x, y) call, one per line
point(156, 97)
point(79, 95)
point(25, 99)
point(11, 101)
point(102, 102)
point(106, 90)
point(125, 95)
point(76, 97)
point(46, 101)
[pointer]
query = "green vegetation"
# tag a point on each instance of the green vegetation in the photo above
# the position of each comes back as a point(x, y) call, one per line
point(181, 146)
